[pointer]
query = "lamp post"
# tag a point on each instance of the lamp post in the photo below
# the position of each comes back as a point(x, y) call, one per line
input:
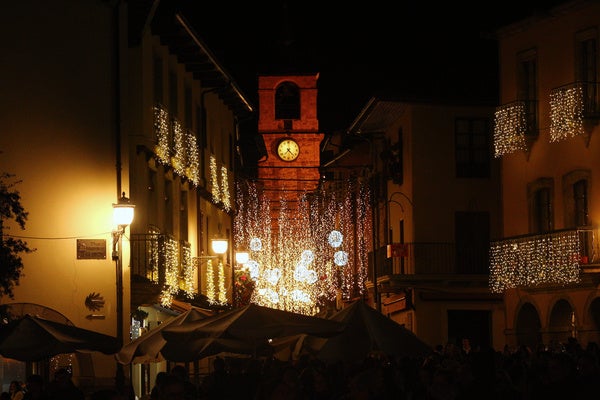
point(122, 217)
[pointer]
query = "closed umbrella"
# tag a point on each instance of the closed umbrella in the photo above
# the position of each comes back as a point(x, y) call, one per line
point(32, 338)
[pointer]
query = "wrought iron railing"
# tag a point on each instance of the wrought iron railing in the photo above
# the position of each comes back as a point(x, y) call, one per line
point(430, 258)
point(152, 253)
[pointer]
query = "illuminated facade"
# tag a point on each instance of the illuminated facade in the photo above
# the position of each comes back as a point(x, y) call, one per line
point(106, 98)
point(547, 260)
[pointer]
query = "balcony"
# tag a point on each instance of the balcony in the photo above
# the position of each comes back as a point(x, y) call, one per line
point(433, 262)
point(552, 258)
point(515, 127)
point(574, 110)
point(160, 266)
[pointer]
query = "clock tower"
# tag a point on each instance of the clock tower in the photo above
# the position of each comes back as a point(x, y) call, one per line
point(290, 130)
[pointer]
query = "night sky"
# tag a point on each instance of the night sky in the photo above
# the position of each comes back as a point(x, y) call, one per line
point(394, 48)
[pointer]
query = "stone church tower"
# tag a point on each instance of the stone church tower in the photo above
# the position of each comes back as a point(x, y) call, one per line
point(289, 127)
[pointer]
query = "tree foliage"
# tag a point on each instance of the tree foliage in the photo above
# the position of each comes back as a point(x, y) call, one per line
point(11, 248)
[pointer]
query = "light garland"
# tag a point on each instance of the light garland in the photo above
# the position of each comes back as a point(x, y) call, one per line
point(294, 268)
point(188, 268)
point(161, 130)
point(566, 112)
point(193, 160)
point(171, 252)
point(222, 294)
point(225, 195)
point(214, 181)
point(210, 282)
point(534, 260)
point(178, 160)
point(510, 127)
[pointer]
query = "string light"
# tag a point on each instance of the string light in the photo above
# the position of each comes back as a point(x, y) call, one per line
point(222, 294)
point(566, 112)
point(193, 160)
point(225, 196)
point(510, 126)
point(295, 267)
point(171, 287)
point(214, 181)
point(161, 129)
point(178, 160)
point(210, 283)
point(534, 260)
point(188, 268)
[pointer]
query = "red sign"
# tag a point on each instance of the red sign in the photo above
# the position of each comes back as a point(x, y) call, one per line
point(397, 250)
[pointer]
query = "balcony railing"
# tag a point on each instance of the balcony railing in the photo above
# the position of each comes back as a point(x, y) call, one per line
point(153, 254)
point(430, 259)
point(570, 105)
point(515, 126)
point(555, 257)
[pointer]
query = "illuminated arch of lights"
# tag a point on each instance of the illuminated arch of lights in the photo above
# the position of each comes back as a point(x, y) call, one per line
point(308, 254)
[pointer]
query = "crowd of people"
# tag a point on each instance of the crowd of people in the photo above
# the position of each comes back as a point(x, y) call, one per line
point(450, 372)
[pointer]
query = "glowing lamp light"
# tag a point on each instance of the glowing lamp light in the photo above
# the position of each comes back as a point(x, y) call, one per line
point(255, 244)
point(335, 239)
point(242, 257)
point(219, 245)
point(123, 212)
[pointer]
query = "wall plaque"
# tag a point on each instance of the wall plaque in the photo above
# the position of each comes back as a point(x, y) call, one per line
point(91, 249)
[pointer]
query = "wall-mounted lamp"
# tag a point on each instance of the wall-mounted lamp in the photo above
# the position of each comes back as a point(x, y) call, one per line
point(242, 257)
point(122, 217)
point(219, 245)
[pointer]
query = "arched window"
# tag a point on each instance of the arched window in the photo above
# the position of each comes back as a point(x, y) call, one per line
point(287, 101)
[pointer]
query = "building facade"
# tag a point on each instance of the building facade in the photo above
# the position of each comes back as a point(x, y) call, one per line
point(436, 203)
point(108, 100)
point(544, 133)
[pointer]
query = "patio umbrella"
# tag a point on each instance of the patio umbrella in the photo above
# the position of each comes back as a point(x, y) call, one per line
point(32, 338)
point(367, 331)
point(245, 330)
point(147, 348)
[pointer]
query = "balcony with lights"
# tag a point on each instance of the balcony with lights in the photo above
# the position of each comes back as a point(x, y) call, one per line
point(556, 258)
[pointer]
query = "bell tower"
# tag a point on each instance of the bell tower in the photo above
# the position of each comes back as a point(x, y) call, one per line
point(289, 127)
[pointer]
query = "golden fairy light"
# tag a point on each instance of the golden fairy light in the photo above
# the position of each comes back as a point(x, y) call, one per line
point(534, 260)
point(510, 127)
point(214, 180)
point(302, 259)
point(566, 112)
point(161, 130)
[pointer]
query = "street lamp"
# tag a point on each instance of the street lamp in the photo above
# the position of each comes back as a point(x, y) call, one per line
point(122, 217)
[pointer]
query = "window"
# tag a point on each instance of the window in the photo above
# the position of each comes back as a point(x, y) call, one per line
point(576, 189)
point(188, 107)
point(200, 128)
point(540, 205)
point(168, 206)
point(287, 101)
point(173, 93)
point(580, 199)
point(183, 215)
point(158, 80)
point(472, 239)
point(472, 147)
point(527, 87)
point(587, 68)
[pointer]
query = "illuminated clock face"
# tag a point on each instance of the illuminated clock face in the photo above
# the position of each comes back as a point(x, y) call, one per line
point(288, 150)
